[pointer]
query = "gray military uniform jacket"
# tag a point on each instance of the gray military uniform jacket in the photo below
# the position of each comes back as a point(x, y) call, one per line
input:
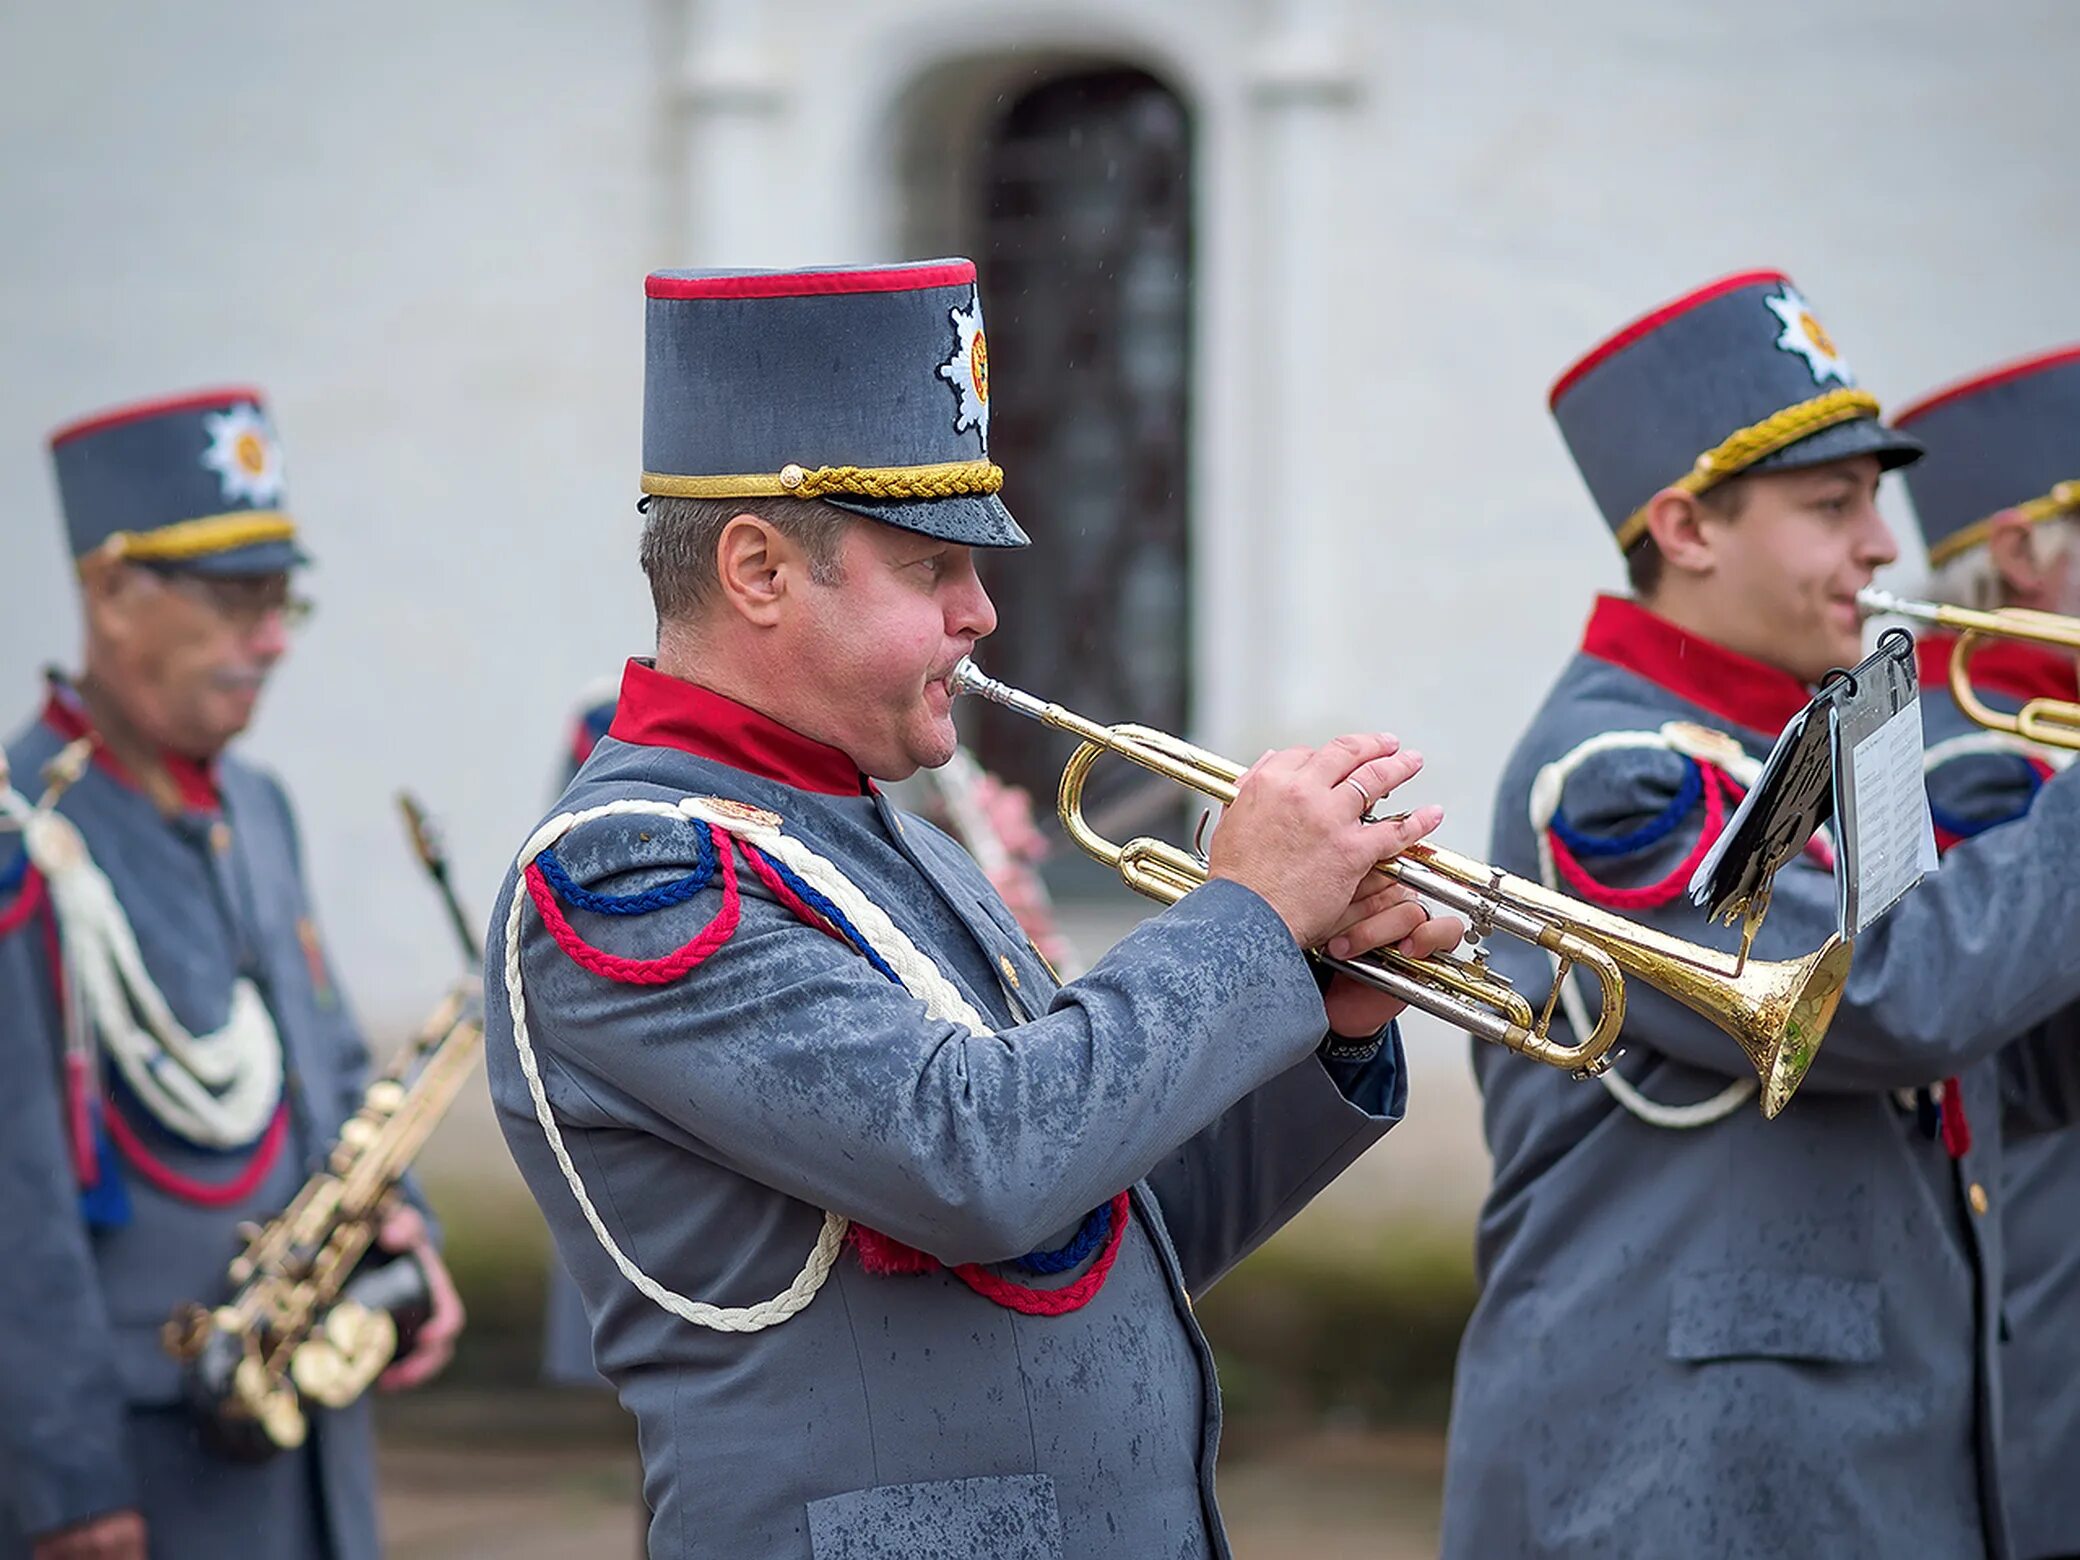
point(1977, 781)
point(1750, 1338)
point(90, 1420)
point(711, 1118)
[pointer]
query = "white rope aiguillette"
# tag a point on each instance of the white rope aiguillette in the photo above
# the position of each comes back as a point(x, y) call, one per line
point(218, 1090)
point(921, 977)
point(1693, 742)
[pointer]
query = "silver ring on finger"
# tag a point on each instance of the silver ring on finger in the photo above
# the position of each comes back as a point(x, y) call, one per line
point(1364, 796)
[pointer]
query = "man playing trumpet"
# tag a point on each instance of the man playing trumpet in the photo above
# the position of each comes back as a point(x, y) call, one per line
point(1701, 1333)
point(887, 1241)
point(1997, 496)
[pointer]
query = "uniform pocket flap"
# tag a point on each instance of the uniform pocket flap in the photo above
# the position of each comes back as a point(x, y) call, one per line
point(1737, 1313)
point(1010, 1518)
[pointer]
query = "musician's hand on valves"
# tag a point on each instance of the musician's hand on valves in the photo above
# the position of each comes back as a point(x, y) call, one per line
point(1385, 914)
point(403, 1230)
point(114, 1535)
point(1296, 835)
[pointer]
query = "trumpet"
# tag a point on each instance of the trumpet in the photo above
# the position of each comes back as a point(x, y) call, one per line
point(2053, 723)
point(1777, 1012)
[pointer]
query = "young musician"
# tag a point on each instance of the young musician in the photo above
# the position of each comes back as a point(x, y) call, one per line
point(1701, 1332)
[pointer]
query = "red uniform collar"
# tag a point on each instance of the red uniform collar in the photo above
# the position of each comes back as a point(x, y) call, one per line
point(66, 714)
point(1753, 696)
point(658, 710)
point(2002, 666)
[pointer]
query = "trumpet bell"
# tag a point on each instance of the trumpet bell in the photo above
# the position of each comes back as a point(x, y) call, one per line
point(1781, 1013)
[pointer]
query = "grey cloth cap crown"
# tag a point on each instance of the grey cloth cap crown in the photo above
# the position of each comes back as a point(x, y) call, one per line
point(1639, 409)
point(755, 374)
point(142, 469)
point(2000, 439)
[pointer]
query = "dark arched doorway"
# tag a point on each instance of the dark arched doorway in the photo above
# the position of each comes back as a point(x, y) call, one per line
point(1079, 217)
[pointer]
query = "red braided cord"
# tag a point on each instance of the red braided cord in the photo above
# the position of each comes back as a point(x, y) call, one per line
point(787, 896)
point(1652, 895)
point(79, 1083)
point(25, 903)
point(1957, 1130)
point(641, 972)
point(79, 1121)
point(883, 1256)
point(188, 1190)
point(1049, 1302)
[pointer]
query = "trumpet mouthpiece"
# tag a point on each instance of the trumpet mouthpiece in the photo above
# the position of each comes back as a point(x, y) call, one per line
point(1874, 601)
point(967, 677)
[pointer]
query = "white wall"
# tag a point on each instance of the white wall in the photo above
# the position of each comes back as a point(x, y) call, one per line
point(424, 228)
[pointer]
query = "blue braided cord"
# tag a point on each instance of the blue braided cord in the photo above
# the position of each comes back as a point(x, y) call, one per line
point(662, 897)
point(1652, 832)
point(830, 912)
point(1965, 828)
point(1097, 1224)
point(106, 1204)
point(12, 874)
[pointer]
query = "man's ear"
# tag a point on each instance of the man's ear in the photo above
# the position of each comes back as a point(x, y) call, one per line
point(750, 559)
point(2011, 545)
point(107, 586)
point(1676, 521)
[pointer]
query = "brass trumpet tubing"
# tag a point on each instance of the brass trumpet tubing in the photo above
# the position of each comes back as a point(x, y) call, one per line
point(1776, 1012)
point(1480, 1003)
point(2053, 723)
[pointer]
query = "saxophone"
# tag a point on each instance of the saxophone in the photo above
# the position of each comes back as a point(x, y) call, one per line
point(315, 1314)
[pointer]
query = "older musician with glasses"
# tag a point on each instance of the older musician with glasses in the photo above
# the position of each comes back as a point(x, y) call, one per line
point(1700, 1332)
point(175, 1057)
point(887, 1240)
point(1998, 498)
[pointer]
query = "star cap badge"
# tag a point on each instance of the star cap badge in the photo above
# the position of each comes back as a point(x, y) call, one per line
point(1804, 334)
point(967, 370)
point(244, 455)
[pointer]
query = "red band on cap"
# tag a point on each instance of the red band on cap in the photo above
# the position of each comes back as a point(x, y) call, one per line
point(806, 284)
point(137, 411)
point(1647, 324)
point(2019, 369)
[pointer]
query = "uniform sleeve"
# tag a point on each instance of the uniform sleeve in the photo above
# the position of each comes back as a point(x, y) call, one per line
point(1235, 1184)
point(1970, 959)
point(1968, 795)
point(786, 1057)
point(62, 1407)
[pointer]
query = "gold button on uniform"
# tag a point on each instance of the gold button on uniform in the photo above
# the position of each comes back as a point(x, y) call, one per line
point(1977, 1198)
point(1010, 973)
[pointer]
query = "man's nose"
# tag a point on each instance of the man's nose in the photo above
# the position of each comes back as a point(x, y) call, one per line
point(269, 636)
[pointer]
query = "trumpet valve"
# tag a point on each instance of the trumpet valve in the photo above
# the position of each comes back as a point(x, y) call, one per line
point(1598, 1066)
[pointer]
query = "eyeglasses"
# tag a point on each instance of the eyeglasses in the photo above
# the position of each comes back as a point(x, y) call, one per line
point(244, 601)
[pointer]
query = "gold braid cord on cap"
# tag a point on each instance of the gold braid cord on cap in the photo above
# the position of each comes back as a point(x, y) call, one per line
point(2061, 500)
point(1752, 443)
point(947, 479)
point(200, 538)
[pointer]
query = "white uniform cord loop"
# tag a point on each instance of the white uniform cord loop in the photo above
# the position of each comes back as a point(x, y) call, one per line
point(920, 976)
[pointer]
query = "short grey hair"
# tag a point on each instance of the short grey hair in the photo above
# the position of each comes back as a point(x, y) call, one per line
point(1971, 580)
point(680, 536)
